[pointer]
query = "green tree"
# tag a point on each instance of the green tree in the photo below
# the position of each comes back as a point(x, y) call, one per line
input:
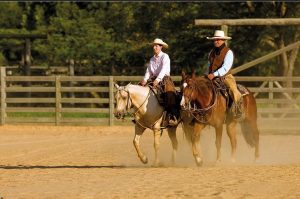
point(104, 38)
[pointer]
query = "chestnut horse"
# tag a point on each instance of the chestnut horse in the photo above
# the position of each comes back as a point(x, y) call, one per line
point(202, 100)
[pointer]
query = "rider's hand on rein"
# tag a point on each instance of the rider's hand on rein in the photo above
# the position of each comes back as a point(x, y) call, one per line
point(155, 83)
point(210, 76)
point(143, 83)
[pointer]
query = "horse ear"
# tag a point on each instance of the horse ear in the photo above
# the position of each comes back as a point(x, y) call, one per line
point(183, 73)
point(193, 73)
point(116, 85)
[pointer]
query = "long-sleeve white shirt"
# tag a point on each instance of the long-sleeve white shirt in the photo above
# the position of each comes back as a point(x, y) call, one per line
point(226, 66)
point(159, 67)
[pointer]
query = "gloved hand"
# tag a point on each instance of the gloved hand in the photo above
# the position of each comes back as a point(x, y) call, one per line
point(155, 83)
point(143, 83)
point(210, 76)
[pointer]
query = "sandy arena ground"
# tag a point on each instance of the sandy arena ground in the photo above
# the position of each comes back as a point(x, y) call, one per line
point(101, 162)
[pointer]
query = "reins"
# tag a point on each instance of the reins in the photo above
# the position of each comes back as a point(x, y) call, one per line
point(202, 112)
point(137, 110)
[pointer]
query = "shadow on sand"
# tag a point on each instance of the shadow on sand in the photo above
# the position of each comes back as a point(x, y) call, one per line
point(21, 167)
point(60, 167)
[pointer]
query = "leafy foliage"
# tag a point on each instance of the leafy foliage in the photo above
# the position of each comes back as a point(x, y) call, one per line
point(106, 38)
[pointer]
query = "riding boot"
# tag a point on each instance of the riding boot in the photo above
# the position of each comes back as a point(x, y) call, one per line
point(165, 120)
point(175, 115)
point(172, 119)
point(237, 109)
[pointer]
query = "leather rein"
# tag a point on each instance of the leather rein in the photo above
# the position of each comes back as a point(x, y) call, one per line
point(200, 114)
point(129, 105)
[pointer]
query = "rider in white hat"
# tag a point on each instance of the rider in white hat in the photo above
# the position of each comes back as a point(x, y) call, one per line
point(159, 64)
point(219, 34)
point(220, 60)
point(158, 71)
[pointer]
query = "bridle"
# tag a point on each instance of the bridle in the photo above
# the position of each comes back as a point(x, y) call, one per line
point(129, 105)
point(199, 113)
point(121, 114)
point(129, 100)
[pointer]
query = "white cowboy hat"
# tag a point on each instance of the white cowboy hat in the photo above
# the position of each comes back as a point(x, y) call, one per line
point(219, 34)
point(160, 42)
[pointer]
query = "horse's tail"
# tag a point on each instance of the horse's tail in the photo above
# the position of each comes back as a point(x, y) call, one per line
point(249, 125)
point(250, 132)
point(187, 126)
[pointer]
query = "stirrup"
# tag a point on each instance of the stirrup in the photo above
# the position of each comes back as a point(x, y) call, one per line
point(173, 122)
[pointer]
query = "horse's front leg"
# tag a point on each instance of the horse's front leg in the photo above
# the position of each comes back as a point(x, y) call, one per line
point(173, 138)
point(136, 142)
point(195, 139)
point(156, 146)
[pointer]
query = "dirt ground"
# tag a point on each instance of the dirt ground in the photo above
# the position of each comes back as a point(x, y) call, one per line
point(101, 162)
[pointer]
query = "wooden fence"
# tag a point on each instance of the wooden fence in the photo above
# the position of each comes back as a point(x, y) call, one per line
point(89, 100)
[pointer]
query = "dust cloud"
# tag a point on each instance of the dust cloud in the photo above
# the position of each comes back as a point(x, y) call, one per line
point(278, 148)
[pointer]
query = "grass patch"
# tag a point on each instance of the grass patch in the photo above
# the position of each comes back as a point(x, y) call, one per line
point(29, 114)
point(85, 115)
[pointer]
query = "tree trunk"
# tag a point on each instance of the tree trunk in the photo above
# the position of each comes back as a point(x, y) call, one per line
point(283, 58)
point(291, 62)
point(293, 56)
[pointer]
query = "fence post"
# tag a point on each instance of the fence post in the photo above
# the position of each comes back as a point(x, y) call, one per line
point(111, 100)
point(57, 100)
point(3, 95)
point(225, 29)
point(271, 96)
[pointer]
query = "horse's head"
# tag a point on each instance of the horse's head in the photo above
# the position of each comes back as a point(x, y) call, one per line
point(195, 89)
point(187, 87)
point(123, 101)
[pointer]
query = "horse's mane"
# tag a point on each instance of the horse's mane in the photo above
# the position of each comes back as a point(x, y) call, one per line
point(135, 86)
point(202, 84)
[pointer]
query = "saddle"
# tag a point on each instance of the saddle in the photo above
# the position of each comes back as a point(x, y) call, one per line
point(222, 88)
point(243, 90)
point(164, 86)
point(168, 97)
point(158, 92)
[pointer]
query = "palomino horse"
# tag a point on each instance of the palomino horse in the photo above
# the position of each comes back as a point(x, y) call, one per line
point(208, 107)
point(148, 113)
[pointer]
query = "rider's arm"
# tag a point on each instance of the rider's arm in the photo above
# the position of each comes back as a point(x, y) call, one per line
point(165, 69)
point(228, 61)
point(147, 74)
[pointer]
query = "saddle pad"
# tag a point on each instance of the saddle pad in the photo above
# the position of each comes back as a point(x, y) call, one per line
point(243, 90)
point(158, 94)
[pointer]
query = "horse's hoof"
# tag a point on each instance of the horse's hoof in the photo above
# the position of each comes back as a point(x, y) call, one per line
point(157, 164)
point(233, 160)
point(144, 160)
point(257, 161)
point(173, 163)
point(199, 161)
point(218, 162)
